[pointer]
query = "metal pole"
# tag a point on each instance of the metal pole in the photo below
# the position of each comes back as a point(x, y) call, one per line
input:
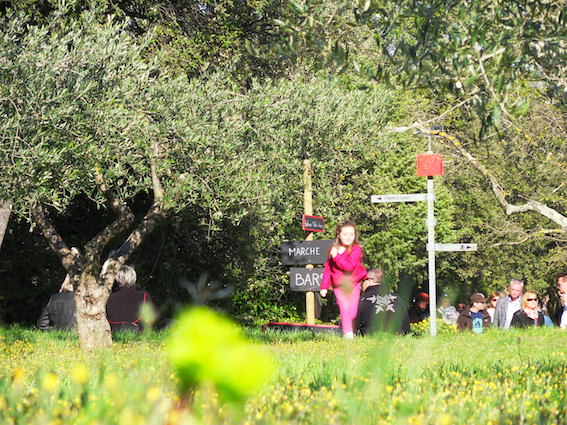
point(431, 256)
point(308, 210)
point(431, 252)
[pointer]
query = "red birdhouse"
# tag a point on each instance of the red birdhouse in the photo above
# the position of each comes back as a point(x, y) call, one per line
point(429, 164)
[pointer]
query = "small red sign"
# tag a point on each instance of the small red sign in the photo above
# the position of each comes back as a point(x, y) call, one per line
point(429, 164)
point(313, 223)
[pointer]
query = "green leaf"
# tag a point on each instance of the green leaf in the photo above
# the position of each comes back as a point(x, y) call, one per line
point(522, 108)
point(496, 114)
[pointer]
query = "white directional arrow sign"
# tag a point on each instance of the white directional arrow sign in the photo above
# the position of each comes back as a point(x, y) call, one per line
point(453, 247)
point(405, 197)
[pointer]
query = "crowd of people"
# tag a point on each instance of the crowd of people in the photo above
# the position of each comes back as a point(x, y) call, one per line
point(366, 305)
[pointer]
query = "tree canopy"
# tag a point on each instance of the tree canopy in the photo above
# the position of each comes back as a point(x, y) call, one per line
point(194, 119)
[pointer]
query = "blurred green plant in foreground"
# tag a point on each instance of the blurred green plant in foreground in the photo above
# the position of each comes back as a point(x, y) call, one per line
point(422, 328)
point(207, 348)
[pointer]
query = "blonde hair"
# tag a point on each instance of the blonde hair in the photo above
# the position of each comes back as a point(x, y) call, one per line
point(524, 303)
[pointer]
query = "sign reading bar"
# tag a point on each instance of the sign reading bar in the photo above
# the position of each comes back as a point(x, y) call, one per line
point(313, 223)
point(305, 280)
point(454, 247)
point(411, 197)
point(308, 252)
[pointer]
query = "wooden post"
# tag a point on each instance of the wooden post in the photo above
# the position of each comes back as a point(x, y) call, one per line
point(308, 210)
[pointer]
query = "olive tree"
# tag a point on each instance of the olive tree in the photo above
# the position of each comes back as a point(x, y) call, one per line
point(83, 113)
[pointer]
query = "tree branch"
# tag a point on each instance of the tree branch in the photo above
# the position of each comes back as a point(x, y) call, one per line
point(497, 189)
point(423, 124)
point(156, 183)
point(500, 194)
point(70, 258)
point(120, 256)
point(528, 236)
point(117, 205)
point(94, 247)
point(156, 213)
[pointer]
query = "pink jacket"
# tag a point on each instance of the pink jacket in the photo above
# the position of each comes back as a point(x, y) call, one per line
point(335, 268)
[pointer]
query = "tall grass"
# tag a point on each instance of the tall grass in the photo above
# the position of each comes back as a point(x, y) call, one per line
point(515, 377)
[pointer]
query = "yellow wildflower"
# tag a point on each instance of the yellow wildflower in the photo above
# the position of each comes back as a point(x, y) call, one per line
point(50, 382)
point(153, 394)
point(18, 376)
point(80, 374)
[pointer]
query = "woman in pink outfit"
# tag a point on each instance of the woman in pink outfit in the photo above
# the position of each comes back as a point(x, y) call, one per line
point(343, 272)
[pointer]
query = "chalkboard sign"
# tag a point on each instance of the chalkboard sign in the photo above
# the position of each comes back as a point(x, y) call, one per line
point(305, 279)
point(308, 252)
point(313, 223)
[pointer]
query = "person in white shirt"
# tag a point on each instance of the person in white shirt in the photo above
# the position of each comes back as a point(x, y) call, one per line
point(508, 305)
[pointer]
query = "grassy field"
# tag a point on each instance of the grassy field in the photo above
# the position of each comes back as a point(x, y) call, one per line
point(516, 377)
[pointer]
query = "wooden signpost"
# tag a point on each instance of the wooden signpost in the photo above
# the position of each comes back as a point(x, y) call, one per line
point(307, 252)
point(429, 165)
point(308, 210)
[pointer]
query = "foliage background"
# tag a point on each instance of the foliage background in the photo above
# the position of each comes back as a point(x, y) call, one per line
point(249, 109)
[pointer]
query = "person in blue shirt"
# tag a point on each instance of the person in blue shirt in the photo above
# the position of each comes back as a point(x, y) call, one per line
point(474, 318)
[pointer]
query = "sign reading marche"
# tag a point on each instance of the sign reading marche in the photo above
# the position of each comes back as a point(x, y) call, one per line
point(410, 197)
point(305, 279)
point(308, 252)
point(454, 247)
point(313, 223)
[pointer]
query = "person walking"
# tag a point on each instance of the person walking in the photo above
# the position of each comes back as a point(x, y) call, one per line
point(343, 272)
point(508, 305)
point(557, 304)
point(529, 314)
point(420, 308)
point(494, 297)
point(380, 309)
point(447, 312)
point(474, 318)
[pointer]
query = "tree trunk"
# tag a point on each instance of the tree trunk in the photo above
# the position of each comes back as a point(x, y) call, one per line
point(92, 326)
point(4, 217)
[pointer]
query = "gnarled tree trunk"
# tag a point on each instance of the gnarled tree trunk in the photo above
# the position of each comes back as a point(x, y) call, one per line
point(92, 282)
point(92, 326)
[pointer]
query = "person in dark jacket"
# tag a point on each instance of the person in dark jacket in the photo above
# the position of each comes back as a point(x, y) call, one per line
point(379, 309)
point(475, 317)
point(557, 304)
point(529, 314)
point(123, 309)
point(420, 309)
point(60, 312)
